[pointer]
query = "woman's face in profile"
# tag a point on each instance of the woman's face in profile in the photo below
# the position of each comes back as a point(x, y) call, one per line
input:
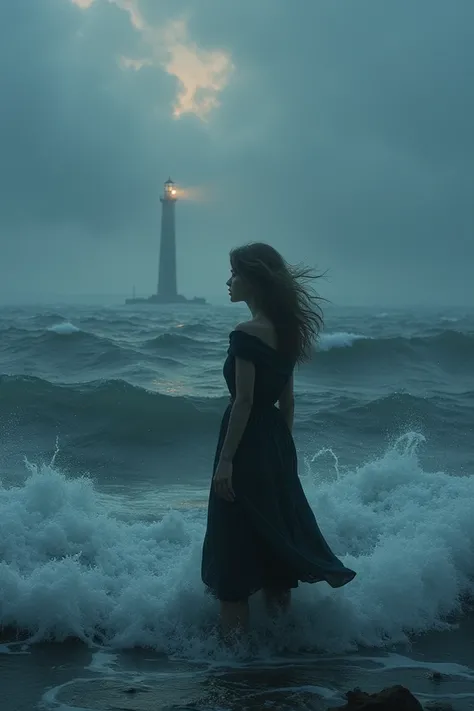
point(238, 288)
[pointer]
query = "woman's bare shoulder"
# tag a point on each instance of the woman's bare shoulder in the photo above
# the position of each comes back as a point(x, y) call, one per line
point(265, 332)
point(247, 326)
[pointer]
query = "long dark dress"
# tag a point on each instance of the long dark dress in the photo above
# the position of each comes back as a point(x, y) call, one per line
point(268, 537)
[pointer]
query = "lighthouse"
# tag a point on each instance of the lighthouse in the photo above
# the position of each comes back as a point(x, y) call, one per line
point(167, 280)
point(167, 289)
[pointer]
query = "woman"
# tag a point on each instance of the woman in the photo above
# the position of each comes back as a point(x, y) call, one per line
point(261, 532)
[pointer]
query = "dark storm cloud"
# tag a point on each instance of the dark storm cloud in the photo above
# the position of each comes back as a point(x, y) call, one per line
point(83, 143)
point(372, 107)
point(344, 136)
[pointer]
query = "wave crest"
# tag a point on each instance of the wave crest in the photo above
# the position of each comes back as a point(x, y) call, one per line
point(449, 350)
point(75, 568)
point(107, 410)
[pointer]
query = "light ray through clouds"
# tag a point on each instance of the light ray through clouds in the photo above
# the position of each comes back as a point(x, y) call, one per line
point(202, 74)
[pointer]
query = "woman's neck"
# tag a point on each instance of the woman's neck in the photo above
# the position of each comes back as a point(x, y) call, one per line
point(257, 313)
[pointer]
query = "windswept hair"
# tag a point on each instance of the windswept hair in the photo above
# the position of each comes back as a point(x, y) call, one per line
point(284, 294)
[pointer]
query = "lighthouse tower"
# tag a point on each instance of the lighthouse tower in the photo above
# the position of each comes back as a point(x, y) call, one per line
point(167, 281)
point(167, 290)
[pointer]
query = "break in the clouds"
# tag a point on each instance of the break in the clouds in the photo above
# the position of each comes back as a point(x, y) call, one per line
point(339, 131)
point(201, 73)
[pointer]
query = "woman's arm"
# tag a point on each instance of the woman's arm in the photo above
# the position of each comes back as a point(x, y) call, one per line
point(286, 403)
point(240, 412)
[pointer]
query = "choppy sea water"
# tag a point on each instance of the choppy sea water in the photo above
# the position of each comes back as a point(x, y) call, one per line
point(109, 418)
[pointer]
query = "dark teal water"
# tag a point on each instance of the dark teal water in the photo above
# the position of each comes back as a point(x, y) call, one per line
point(109, 419)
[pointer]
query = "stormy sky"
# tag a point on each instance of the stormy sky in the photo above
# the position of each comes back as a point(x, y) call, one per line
point(340, 131)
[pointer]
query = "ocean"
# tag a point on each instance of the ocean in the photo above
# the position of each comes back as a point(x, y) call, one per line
point(109, 418)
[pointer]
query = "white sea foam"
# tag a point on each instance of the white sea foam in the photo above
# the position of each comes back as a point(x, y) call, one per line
point(64, 329)
point(69, 566)
point(339, 339)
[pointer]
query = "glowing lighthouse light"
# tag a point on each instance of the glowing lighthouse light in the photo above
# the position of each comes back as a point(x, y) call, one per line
point(171, 191)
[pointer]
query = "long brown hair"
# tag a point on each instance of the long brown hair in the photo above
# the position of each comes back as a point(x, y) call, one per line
point(283, 293)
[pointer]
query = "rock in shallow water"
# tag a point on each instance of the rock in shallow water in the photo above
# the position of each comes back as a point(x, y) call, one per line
point(393, 698)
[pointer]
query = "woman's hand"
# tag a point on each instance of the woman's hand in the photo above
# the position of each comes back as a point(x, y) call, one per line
point(223, 481)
